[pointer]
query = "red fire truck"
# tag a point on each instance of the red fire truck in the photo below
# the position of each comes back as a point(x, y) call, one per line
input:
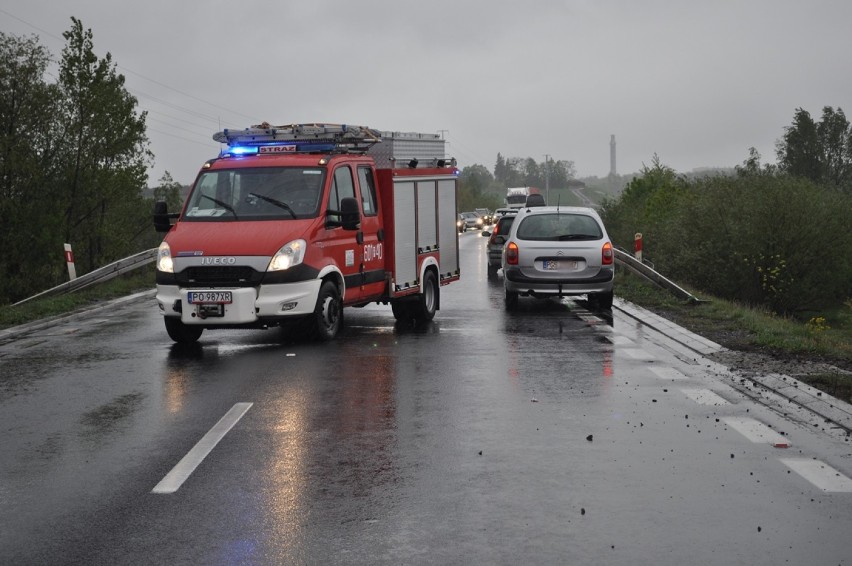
point(292, 223)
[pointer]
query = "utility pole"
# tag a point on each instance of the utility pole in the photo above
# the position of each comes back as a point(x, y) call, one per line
point(547, 179)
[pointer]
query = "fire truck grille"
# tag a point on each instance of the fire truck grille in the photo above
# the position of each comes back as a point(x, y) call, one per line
point(237, 276)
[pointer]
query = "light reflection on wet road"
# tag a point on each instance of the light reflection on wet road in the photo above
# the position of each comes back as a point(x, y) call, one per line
point(550, 435)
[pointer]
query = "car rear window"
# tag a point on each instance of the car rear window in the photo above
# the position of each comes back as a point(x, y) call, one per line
point(504, 224)
point(559, 226)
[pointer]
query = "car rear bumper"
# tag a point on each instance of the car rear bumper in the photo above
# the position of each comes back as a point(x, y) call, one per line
point(516, 281)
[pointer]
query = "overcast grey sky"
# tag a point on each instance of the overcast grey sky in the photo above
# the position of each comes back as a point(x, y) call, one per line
point(695, 82)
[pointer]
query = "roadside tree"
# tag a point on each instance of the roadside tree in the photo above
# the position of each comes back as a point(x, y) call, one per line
point(105, 155)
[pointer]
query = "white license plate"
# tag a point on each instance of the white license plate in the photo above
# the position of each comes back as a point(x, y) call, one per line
point(555, 264)
point(209, 297)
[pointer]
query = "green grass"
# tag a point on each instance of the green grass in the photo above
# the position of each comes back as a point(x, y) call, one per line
point(139, 280)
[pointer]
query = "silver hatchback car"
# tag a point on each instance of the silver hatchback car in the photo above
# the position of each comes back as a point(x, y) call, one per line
point(556, 251)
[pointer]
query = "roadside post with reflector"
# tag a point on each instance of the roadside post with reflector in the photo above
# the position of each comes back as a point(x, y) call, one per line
point(69, 260)
point(637, 246)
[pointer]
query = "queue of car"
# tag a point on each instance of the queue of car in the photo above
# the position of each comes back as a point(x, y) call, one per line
point(551, 251)
point(496, 238)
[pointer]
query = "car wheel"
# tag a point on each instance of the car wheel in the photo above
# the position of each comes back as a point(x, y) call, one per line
point(492, 271)
point(328, 314)
point(511, 300)
point(601, 300)
point(182, 333)
point(427, 301)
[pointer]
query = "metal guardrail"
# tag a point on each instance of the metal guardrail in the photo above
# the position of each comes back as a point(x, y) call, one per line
point(99, 275)
point(635, 266)
point(149, 256)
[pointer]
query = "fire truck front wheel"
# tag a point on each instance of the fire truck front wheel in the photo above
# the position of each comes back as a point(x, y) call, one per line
point(327, 318)
point(182, 333)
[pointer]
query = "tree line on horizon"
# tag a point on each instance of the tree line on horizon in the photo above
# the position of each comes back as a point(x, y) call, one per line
point(774, 236)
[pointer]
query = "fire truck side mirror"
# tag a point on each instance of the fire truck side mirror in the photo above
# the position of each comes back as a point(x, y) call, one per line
point(162, 222)
point(349, 215)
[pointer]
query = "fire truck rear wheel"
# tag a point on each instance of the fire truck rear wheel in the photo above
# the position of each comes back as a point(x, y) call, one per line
point(427, 301)
point(328, 314)
point(402, 310)
point(182, 333)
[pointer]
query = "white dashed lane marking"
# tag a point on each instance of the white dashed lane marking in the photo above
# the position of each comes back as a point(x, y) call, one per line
point(636, 354)
point(820, 474)
point(704, 397)
point(179, 474)
point(668, 373)
point(756, 431)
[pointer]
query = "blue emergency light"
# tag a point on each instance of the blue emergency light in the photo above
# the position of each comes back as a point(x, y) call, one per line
point(241, 150)
point(279, 148)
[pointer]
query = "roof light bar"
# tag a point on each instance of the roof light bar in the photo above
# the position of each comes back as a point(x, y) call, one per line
point(299, 138)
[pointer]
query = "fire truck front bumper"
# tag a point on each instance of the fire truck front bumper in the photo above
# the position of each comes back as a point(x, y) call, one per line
point(240, 305)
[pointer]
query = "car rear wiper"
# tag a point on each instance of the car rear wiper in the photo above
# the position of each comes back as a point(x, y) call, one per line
point(565, 237)
point(224, 205)
point(276, 202)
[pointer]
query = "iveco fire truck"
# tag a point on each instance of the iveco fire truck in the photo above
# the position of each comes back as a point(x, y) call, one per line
point(292, 223)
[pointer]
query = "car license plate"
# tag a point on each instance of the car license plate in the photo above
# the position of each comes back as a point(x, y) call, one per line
point(210, 297)
point(555, 264)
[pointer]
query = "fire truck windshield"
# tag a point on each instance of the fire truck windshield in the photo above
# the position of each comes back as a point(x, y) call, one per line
point(261, 193)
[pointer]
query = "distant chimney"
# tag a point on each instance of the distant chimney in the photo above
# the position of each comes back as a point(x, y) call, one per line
point(612, 155)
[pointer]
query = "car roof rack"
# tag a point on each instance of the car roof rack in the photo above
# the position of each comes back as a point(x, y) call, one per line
point(303, 137)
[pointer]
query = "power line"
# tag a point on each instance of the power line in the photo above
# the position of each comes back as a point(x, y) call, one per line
point(138, 93)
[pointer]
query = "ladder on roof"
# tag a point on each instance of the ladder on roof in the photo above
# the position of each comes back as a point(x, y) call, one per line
point(343, 136)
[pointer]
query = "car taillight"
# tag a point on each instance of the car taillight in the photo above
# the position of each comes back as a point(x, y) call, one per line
point(512, 253)
point(606, 254)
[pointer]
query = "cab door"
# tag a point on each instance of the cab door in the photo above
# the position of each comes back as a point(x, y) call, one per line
point(372, 258)
point(357, 253)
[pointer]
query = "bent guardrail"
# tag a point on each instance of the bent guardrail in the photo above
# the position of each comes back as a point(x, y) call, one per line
point(641, 269)
point(98, 275)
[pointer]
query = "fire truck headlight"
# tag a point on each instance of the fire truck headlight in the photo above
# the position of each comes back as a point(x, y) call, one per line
point(164, 259)
point(289, 255)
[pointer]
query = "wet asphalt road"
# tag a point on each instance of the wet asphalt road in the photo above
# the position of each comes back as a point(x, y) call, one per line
point(553, 435)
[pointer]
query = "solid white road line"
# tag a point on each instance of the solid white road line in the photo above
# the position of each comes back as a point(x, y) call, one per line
point(820, 474)
point(175, 478)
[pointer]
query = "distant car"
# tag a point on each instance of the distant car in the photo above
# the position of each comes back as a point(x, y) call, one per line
point(472, 221)
point(496, 239)
point(460, 224)
point(556, 251)
point(486, 215)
